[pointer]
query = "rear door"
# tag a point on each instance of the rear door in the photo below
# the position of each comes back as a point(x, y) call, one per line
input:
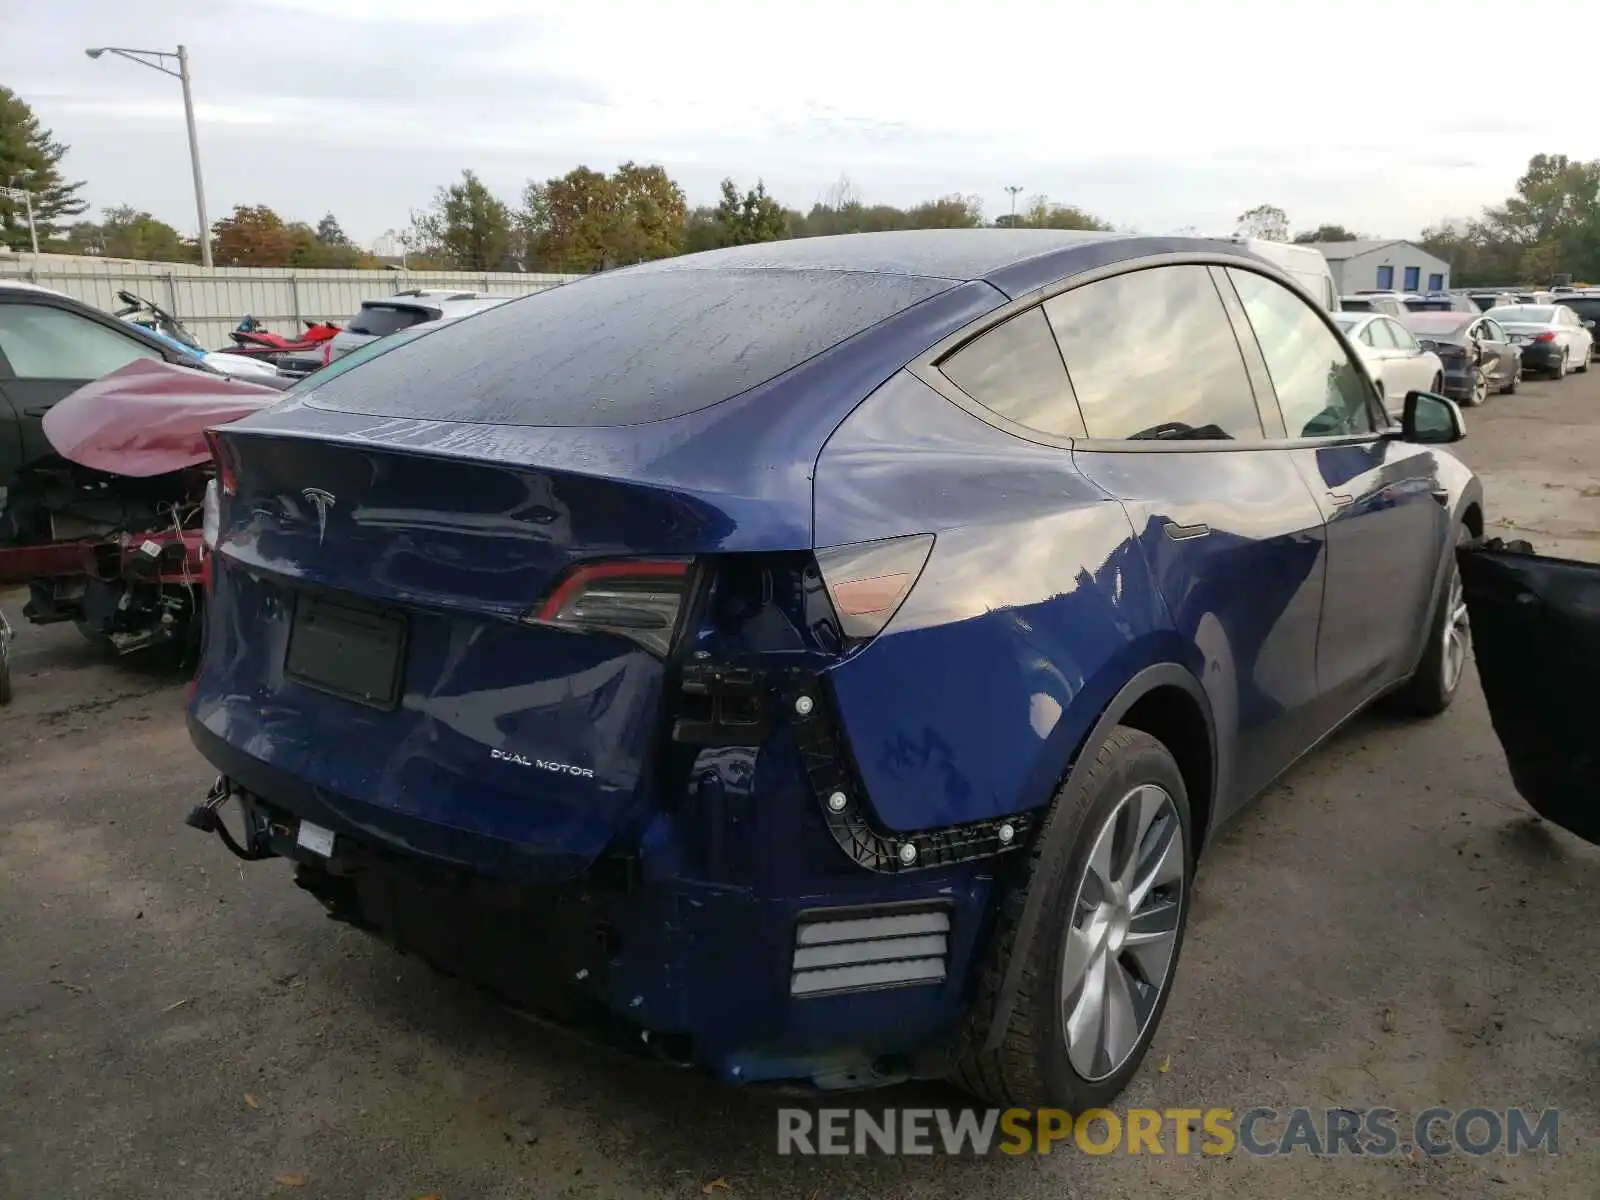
point(1381, 498)
point(1500, 357)
point(1233, 537)
point(51, 351)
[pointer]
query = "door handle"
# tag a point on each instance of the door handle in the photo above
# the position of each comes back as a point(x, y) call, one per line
point(1182, 533)
point(1442, 495)
point(1340, 499)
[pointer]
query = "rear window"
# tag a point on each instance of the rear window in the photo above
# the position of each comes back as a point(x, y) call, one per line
point(624, 348)
point(1431, 305)
point(380, 320)
point(1350, 304)
point(1588, 307)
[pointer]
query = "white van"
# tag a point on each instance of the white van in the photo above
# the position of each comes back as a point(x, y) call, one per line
point(1304, 264)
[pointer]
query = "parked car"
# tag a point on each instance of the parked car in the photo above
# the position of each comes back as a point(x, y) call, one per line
point(1487, 300)
point(1553, 337)
point(1587, 306)
point(1477, 353)
point(50, 346)
point(1441, 302)
point(1535, 298)
point(1385, 302)
point(379, 318)
point(691, 632)
point(1396, 361)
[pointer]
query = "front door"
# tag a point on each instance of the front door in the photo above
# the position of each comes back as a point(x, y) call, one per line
point(1381, 499)
point(52, 351)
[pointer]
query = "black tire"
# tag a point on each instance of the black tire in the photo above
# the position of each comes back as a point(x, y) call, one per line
point(1584, 369)
point(1510, 388)
point(1438, 385)
point(1031, 1064)
point(5, 672)
point(1559, 371)
point(1431, 690)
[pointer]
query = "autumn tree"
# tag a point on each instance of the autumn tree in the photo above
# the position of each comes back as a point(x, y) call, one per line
point(125, 232)
point(1264, 221)
point(947, 212)
point(586, 221)
point(1326, 233)
point(252, 236)
point(752, 216)
point(468, 227)
point(30, 158)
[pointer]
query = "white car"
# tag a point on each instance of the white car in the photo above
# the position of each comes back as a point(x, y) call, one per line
point(1394, 359)
point(1554, 339)
point(404, 310)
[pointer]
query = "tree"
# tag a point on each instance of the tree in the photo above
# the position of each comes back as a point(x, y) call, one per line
point(947, 212)
point(1264, 221)
point(30, 158)
point(252, 236)
point(752, 217)
point(1326, 233)
point(468, 226)
point(1042, 213)
point(587, 221)
point(124, 232)
point(329, 233)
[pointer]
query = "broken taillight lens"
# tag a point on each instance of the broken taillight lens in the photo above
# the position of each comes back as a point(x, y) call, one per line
point(211, 515)
point(222, 456)
point(869, 581)
point(640, 600)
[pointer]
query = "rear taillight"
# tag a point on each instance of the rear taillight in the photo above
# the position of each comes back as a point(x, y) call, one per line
point(869, 581)
point(211, 515)
point(640, 600)
point(1546, 337)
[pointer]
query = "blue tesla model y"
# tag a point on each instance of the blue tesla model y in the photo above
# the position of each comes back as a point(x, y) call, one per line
point(825, 660)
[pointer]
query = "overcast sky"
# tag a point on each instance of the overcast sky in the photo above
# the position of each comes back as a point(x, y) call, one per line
point(1155, 114)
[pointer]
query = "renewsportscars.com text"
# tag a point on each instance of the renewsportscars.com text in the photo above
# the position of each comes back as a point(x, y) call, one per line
point(1261, 1131)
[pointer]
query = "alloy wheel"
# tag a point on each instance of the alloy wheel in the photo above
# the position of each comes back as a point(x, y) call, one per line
point(1457, 635)
point(1123, 932)
point(1480, 386)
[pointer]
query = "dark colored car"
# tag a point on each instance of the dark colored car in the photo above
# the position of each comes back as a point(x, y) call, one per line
point(1477, 353)
point(824, 660)
point(1587, 306)
point(1443, 302)
point(50, 346)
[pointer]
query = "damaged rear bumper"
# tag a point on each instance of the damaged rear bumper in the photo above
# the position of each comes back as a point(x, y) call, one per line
point(1536, 638)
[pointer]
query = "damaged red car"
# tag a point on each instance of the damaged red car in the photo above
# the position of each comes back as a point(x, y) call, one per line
point(104, 526)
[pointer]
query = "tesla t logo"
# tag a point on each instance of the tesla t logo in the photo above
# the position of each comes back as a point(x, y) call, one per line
point(321, 501)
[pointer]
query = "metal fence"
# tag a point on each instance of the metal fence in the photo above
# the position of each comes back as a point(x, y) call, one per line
point(210, 303)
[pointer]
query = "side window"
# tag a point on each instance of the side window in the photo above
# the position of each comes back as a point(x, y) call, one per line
point(1494, 332)
point(1015, 370)
point(1152, 354)
point(1368, 336)
point(1402, 336)
point(1321, 392)
point(1382, 335)
point(42, 342)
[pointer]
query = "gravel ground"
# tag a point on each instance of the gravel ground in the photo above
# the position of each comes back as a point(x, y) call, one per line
point(1387, 926)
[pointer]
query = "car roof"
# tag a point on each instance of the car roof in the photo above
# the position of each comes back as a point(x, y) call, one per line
point(21, 285)
point(1015, 261)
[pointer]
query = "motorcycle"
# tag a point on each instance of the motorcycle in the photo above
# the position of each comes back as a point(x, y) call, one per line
point(146, 314)
point(253, 340)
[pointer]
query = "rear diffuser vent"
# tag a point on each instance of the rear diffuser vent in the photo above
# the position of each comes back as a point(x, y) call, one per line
point(860, 949)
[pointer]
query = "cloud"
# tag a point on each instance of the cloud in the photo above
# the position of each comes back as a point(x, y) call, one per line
point(1149, 112)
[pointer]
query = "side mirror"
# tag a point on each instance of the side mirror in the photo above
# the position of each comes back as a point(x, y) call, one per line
point(1431, 419)
point(1588, 324)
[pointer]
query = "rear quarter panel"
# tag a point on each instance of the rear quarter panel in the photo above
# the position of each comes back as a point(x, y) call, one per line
point(1034, 608)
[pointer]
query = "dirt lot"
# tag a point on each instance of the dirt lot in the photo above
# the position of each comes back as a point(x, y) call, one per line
point(1387, 927)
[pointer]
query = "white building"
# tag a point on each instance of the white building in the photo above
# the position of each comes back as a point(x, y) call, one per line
point(1384, 266)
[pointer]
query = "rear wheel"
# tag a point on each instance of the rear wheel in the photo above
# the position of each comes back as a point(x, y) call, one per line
point(1560, 369)
point(1583, 365)
point(1433, 686)
point(1098, 970)
point(1480, 387)
point(1511, 386)
point(1437, 387)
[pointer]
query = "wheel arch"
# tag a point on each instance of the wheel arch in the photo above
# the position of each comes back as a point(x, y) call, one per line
point(1165, 701)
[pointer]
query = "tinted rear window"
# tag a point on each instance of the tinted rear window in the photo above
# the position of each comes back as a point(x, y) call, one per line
point(1351, 305)
point(624, 348)
point(380, 320)
point(1587, 307)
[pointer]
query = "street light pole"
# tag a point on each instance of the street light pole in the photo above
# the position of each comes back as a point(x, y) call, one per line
point(155, 60)
point(1013, 189)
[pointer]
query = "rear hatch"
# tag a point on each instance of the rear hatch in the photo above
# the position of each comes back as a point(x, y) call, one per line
point(429, 608)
